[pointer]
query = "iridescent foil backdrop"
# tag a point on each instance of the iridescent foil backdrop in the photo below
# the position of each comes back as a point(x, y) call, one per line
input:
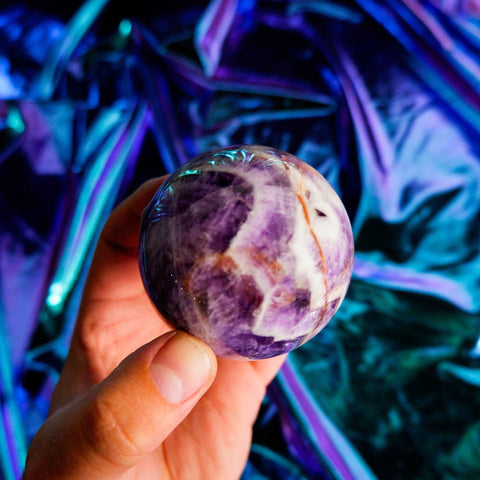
point(381, 96)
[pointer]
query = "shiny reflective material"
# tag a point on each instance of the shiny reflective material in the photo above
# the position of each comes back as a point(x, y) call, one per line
point(382, 97)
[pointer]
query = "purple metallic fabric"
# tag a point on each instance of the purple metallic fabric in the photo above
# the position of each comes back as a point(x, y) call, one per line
point(381, 97)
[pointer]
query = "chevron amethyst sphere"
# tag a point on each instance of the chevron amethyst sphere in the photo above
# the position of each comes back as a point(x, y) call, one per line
point(249, 249)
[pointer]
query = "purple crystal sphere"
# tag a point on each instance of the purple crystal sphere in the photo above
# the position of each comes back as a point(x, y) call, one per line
point(249, 249)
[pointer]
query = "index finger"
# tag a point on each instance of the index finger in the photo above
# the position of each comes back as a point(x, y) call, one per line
point(121, 231)
point(114, 272)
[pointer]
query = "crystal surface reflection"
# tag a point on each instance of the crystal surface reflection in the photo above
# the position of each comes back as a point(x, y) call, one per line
point(249, 249)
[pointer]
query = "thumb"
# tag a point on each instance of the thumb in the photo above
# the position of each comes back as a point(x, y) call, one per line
point(127, 416)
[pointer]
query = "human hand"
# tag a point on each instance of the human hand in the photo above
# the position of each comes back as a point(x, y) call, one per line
point(136, 400)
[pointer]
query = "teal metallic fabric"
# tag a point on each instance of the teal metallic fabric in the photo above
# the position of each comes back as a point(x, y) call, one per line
point(381, 96)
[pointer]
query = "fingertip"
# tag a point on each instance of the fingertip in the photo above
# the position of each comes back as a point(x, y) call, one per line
point(139, 199)
point(122, 227)
point(183, 367)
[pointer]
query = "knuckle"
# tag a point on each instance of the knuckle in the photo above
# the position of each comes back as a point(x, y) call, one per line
point(108, 430)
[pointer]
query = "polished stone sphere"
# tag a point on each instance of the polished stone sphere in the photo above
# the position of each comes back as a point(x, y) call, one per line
point(249, 249)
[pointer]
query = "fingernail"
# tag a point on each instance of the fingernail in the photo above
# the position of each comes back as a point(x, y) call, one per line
point(180, 368)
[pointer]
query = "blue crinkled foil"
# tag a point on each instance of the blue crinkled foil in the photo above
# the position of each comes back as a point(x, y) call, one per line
point(381, 96)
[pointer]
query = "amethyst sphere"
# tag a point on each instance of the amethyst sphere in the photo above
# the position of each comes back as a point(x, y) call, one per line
point(249, 249)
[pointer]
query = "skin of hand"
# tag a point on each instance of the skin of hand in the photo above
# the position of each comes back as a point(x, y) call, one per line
point(137, 400)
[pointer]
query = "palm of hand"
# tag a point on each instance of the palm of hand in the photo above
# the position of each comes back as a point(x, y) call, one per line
point(116, 318)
